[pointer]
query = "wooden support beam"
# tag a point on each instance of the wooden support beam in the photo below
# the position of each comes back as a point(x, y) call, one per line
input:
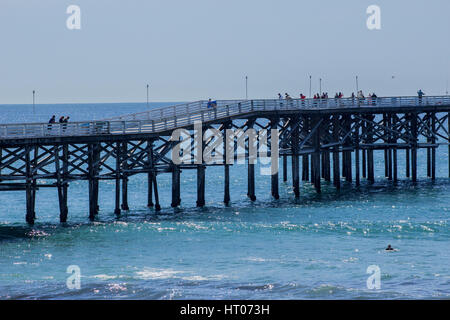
point(322, 165)
point(274, 166)
point(348, 158)
point(357, 150)
point(316, 157)
point(395, 164)
point(92, 207)
point(201, 185)
point(251, 159)
point(407, 163)
point(326, 165)
point(251, 182)
point(96, 154)
point(385, 151)
point(30, 216)
point(226, 197)
point(344, 164)
point(125, 177)
point(34, 185)
point(295, 160)
point(306, 158)
point(363, 151)
point(394, 139)
point(305, 167)
point(176, 199)
point(433, 150)
point(428, 132)
point(285, 176)
point(227, 151)
point(118, 153)
point(65, 171)
point(370, 162)
point(389, 150)
point(59, 183)
point(155, 190)
point(413, 120)
point(150, 168)
point(336, 170)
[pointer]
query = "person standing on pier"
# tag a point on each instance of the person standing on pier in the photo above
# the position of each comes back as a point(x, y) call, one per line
point(52, 120)
point(61, 121)
point(374, 99)
point(280, 99)
point(302, 97)
point(420, 94)
point(360, 97)
point(66, 120)
point(288, 99)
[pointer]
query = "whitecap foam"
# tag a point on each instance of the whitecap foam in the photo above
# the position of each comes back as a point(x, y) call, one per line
point(104, 277)
point(151, 273)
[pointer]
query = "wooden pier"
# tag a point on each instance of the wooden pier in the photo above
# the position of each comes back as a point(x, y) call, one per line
point(334, 138)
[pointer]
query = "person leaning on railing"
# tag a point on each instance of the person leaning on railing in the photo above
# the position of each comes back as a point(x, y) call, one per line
point(51, 121)
point(65, 121)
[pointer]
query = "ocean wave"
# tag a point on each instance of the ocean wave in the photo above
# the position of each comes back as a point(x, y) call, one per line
point(158, 274)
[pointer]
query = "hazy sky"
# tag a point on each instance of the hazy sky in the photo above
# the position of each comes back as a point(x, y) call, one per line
point(195, 49)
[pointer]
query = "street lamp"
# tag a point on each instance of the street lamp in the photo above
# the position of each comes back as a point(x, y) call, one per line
point(147, 94)
point(310, 77)
point(320, 86)
point(34, 109)
point(357, 85)
point(246, 87)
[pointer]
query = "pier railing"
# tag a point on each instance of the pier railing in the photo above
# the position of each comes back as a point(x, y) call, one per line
point(169, 118)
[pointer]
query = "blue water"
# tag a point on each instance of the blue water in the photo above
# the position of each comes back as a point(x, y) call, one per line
point(317, 247)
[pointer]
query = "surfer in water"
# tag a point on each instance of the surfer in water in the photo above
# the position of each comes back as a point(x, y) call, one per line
point(389, 248)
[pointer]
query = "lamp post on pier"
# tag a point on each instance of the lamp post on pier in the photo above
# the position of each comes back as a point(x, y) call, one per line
point(246, 87)
point(147, 94)
point(34, 109)
point(310, 85)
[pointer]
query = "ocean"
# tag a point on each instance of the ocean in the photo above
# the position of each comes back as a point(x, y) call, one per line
point(316, 247)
